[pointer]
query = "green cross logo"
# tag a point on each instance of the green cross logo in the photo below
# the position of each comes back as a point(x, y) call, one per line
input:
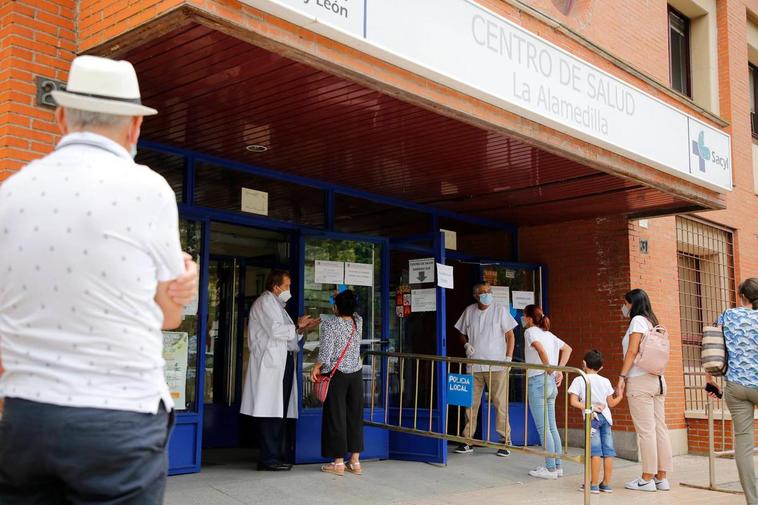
point(700, 150)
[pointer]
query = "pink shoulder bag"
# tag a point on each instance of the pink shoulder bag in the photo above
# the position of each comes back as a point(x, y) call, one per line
point(321, 386)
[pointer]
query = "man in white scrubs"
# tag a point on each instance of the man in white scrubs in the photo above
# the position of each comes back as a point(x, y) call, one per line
point(486, 330)
point(270, 389)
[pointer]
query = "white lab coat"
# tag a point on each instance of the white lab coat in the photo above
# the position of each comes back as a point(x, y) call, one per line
point(271, 332)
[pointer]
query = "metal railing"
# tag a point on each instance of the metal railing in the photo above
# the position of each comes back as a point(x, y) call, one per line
point(406, 397)
point(713, 452)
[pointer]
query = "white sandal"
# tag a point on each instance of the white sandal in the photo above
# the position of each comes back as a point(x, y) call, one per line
point(334, 468)
point(354, 468)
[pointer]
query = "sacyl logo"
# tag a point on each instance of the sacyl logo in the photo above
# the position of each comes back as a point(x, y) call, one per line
point(704, 153)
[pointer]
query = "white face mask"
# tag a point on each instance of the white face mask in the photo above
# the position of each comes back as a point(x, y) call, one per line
point(133, 151)
point(625, 310)
point(523, 321)
point(285, 296)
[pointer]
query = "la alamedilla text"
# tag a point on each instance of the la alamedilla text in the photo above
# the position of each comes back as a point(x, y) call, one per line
point(587, 116)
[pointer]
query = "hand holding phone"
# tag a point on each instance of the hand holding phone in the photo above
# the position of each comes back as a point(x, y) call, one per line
point(713, 390)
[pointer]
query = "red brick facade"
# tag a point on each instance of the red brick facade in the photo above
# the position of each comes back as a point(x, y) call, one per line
point(36, 39)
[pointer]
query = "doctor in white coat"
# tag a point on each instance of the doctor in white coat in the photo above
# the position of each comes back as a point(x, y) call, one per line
point(270, 389)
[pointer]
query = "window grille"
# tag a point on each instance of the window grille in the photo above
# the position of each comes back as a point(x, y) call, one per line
point(705, 260)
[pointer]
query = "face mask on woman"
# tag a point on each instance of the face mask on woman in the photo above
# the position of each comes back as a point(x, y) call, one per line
point(625, 310)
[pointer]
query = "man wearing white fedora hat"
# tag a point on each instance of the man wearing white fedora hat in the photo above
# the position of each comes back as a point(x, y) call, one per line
point(92, 271)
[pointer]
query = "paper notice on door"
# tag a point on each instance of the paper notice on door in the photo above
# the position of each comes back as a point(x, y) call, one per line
point(421, 270)
point(359, 274)
point(502, 295)
point(191, 308)
point(445, 276)
point(329, 272)
point(175, 349)
point(522, 298)
point(424, 300)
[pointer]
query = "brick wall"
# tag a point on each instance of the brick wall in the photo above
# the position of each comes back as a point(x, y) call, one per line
point(36, 39)
point(604, 24)
point(697, 431)
point(656, 273)
point(588, 275)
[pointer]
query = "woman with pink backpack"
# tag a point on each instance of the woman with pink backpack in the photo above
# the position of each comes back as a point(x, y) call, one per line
point(646, 353)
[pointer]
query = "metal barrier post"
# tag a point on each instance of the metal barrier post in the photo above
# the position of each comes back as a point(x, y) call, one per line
point(713, 454)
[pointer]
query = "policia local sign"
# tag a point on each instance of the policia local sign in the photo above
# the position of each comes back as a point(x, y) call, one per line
point(461, 44)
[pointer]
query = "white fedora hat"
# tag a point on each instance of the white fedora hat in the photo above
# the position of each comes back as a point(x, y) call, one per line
point(103, 85)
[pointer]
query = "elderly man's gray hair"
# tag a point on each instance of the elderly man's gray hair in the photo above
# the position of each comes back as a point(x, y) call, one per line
point(78, 120)
point(479, 285)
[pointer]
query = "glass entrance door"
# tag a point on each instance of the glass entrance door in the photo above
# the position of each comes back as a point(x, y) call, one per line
point(518, 285)
point(362, 271)
point(240, 260)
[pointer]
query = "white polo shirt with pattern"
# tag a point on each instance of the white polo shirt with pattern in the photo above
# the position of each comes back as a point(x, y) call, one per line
point(86, 234)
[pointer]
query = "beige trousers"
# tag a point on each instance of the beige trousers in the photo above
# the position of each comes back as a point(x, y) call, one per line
point(647, 405)
point(741, 402)
point(496, 385)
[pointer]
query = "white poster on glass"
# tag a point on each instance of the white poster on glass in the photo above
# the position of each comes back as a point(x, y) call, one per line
point(424, 300)
point(445, 276)
point(502, 295)
point(359, 274)
point(522, 298)
point(175, 350)
point(329, 272)
point(421, 270)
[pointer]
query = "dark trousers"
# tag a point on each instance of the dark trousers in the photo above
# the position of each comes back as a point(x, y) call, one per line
point(342, 418)
point(69, 455)
point(274, 436)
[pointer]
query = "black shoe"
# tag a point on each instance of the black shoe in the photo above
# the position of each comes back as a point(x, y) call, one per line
point(503, 453)
point(464, 449)
point(274, 467)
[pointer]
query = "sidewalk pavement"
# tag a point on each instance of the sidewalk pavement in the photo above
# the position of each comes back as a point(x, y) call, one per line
point(477, 479)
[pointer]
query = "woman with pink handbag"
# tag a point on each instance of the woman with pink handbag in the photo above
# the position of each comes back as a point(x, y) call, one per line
point(338, 375)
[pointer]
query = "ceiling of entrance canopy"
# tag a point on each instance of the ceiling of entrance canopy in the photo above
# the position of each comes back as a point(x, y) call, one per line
point(217, 94)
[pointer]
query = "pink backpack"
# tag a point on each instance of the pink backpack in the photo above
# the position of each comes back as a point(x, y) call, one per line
point(653, 355)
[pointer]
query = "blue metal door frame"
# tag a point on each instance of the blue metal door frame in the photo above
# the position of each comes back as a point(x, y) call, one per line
point(376, 441)
point(186, 441)
point(185, 445)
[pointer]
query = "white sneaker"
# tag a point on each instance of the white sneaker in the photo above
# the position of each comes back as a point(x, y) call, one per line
point(543, 473)
point(662, 485)
point(559, 471)
point(640, 485)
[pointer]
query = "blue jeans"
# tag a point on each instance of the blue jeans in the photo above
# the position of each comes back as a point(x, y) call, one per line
point(602, 439)
point(537, 395)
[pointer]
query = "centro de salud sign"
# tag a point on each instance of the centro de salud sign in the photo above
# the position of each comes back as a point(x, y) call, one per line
point(467, 47)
